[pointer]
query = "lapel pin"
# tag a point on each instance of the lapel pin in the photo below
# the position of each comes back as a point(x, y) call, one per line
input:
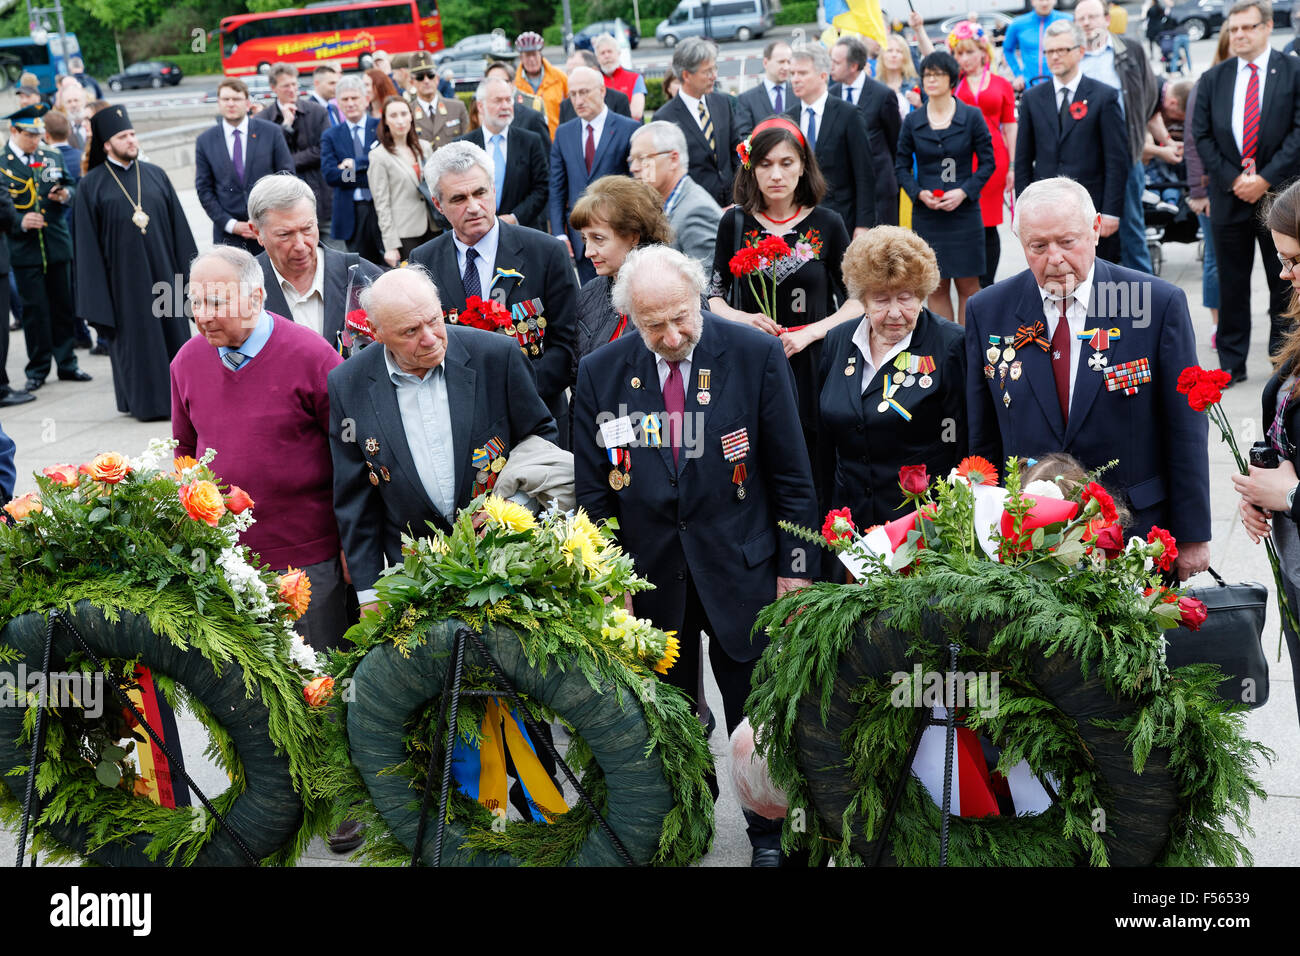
point(636, 382)
point(372, 446)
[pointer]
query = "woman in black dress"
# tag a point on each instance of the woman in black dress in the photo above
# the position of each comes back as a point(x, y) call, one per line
point(942, 138)
point(777, 191)
point(892, 386)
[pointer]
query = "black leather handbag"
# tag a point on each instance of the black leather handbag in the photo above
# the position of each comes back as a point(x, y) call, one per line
point(1230, 637)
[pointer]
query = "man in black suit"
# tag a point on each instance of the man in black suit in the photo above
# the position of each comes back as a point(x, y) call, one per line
point(345, 163)
point(1247, 131)
point(519, 158)
point(527, 116)
point(712, 477)
point(229, 158)
point(394, 468)
point(1074, 127)
point(305, 281)
point(8, 396)
point(879, 107)
point(837, 133)
point(523, 269)
point(705, 118)
point(303, 122)
point(769, 97)
point(616, 101)
point(324, 80)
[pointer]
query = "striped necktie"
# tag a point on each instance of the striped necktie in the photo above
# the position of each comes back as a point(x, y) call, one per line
point(706, 124)
point(1250, 115)
point(234, 359)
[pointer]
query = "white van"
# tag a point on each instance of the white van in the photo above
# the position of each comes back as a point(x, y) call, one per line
point(718, 20)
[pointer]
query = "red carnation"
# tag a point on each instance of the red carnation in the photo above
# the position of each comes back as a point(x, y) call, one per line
point(913, 479)
point(1169, 547)
point(773, 248)
point(1194, 612)
point(744, 261)
point(838, 526)
point(1095, 491)
point(1202, 386)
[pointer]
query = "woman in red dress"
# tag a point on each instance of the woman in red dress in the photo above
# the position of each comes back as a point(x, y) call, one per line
point(992, 94)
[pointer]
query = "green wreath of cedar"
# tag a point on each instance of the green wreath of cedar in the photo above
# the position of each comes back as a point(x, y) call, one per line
point(1140, 806)
point(388, 689)
point(266, 815)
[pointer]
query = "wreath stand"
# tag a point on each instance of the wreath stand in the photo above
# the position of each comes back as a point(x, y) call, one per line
point(950, 738)
point(38, 740)
point(447, 712)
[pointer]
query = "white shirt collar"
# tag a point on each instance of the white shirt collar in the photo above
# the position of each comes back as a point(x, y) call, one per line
point(862, 339)
point(857, 85)
point(692, 103)
point(1082, 292)
point(1261, 61)
point(230, 130)
point(317, 282)
point(597, 123)
point(1073, 86)
point(15, 148)
point(485, 247)
point(818, 106)
point(398, 377)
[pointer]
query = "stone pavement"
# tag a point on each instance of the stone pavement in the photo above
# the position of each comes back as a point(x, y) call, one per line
point(71, 422)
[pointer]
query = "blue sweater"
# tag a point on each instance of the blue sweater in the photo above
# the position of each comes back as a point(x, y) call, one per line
point(1021, 43)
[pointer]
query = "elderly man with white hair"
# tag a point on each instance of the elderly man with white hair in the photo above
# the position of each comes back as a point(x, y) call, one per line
point(700, 414)
point(421, 422)
point(659, 159)
point(617, 77)
point(1080, 356)
point(305, 281)
point(523, 269)
point(520, 164)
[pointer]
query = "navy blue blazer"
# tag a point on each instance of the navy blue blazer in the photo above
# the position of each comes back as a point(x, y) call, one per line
point(844, 153)
point(336, 145)
point(223, 194)
point(688, 519)
point(1093, 150)
point(491, 395)
point(1159, 442)
point(935, 150)
point(569, 175)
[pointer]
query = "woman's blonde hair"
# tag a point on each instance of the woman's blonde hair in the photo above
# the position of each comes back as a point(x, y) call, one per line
point(889, 259)
point(908, 71)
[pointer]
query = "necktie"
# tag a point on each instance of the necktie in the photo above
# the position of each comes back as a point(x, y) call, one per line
point(499, 161)
point(237, 158)
point(706, 124)
point(234, 359)
point(812, 129)
point(589, 153)
point(1064, 113)
point(674, 407)
point(780, 99)
point(1250, 115)
point(848, 95)
point(358, 147)
point(334, 114)
point(470, 279)
point(1061, 363)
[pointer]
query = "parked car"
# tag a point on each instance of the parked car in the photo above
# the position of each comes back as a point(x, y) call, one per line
point(618, 27)
point(152, 73)
point(476, 47)
point(1204, 18)
point(727, 20)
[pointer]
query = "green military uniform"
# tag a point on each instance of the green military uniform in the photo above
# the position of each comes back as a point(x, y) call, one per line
point(41, 258)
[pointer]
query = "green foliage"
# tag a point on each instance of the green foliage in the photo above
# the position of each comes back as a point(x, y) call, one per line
point(794, 13)
point(196, 64)
point(654, 93)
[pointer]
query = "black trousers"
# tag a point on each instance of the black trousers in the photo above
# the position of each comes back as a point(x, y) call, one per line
point(48, 317)
point(365, 238)
point(733, 682)
point(1234, 251)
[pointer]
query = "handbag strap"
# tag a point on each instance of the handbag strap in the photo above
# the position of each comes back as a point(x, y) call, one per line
point(738, 227)
point(1218, 580)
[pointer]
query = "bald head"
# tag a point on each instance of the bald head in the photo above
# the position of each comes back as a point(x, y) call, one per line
point(402, 306)
point(586, 92)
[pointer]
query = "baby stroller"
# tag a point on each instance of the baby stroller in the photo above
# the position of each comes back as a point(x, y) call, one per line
point(1176, 51)
point(1168, 222)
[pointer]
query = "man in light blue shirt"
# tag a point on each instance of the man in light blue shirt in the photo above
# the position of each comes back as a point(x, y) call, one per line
point(1022, 45)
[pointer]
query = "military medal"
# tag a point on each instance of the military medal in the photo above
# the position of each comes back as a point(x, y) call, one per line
point(1127, 376)
point(1016, 369)
point(738, 476)
point(735, 446)
point(651, 430)
point(993, 352)
point(702, 383)
point(384, 473)
point(372, 446)
point(988, 372)
point(1002, 374)
point(851, 367)
point(882, 407)
point(374, 478)
point(1006, 399)
point(1008, 354)
point(620, 476)
point(925, 365)
point(1099, 339)
point(889, 401)
point(489, 460)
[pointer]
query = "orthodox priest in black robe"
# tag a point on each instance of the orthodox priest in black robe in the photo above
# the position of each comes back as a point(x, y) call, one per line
point(133, 253)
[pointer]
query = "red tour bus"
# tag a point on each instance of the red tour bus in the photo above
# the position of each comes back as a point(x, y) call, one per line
point(342, 33)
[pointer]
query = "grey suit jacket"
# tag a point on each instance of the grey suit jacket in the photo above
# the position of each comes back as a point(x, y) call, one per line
point(695, 223)
point(336, 288)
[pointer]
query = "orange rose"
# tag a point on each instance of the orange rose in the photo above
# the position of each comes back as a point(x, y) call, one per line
point(65, 475)
point(238, 501)
point(202, 501)
point(180, 463)
point(319, 691)
point(109, 468)
point(295, 591)
point(20, 508)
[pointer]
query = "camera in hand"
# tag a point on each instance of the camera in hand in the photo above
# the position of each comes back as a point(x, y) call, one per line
point(1263, 455)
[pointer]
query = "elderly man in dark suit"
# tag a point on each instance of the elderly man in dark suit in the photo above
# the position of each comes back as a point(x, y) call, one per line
point(303, 122)
point(1076, 387)
point(345, 163)
point(521, 268)
point(1247, 131)
point(838, 135)
point(519, 158)
point(305, 281)
point(1074, 127)
point(658, 158)
point(712, 133)
point(712, 477)
point(229, 158)
point(594, 144)
point(879, 108)
point(772, 95)
point(407, 414)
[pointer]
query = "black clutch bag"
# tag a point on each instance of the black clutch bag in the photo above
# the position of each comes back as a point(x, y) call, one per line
point(1230, 637)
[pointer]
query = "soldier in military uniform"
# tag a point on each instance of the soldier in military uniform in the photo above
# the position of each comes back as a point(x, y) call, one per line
point(438, 119)
point(41, 247)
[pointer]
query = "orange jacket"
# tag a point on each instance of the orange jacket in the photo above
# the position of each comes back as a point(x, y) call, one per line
point(554, 88)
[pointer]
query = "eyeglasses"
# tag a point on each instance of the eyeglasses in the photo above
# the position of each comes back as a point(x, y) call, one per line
point(1061, 49)
point(1245, 27)
point(424, 75)
point(1289, 263)
point(635, 161)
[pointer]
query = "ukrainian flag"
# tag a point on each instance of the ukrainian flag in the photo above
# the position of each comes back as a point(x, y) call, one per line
point(863, 17)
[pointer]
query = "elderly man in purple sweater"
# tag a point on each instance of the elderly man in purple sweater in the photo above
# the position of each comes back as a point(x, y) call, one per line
point(254, 389)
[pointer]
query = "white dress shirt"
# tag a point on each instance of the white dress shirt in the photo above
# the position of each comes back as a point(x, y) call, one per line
point(426, 422)
point(786, 95)
point(597, 126)
point(856, 86)
point(1076, 314)
point(818, 106)
point(693, 104)
point(1239, 93)
point(862, 339)
point(487, 256)
point(306, 308)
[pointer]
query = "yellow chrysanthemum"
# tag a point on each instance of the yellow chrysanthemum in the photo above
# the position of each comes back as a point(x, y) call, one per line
point(508, 514)
point(578, 546)
point(672, 650)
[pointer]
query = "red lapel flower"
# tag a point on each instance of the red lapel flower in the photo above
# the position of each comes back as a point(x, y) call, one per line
point(1079, 109)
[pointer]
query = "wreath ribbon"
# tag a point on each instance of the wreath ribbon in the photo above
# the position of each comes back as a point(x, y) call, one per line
point(481, 771)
